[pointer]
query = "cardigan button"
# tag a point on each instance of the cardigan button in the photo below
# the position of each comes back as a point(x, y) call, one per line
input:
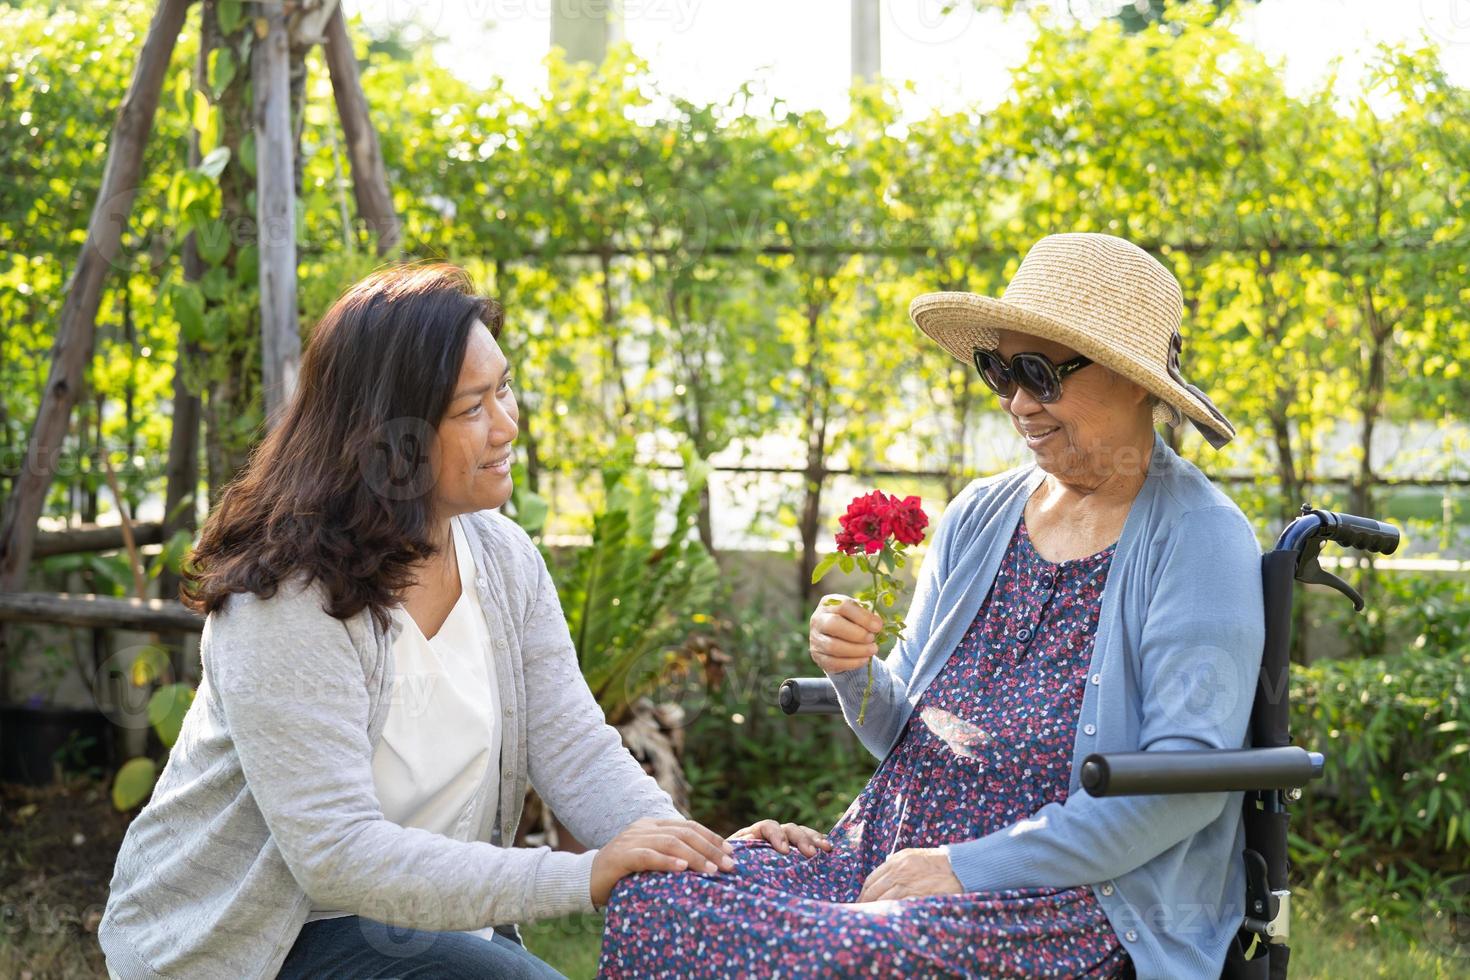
point(1131, 935)
point(1023, 634)
point(481, 584)
point(1097, 678)
point(509, 711)
point(1089, 729)
point(1107, 889)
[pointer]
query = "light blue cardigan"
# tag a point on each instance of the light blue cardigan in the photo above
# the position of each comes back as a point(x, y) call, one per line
point(1174, 666)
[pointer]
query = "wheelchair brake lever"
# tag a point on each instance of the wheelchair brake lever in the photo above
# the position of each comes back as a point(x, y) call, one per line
point(1310, 571)
point(1261, 905)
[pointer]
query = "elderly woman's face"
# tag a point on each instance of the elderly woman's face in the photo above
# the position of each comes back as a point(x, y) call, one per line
point(1099, 414)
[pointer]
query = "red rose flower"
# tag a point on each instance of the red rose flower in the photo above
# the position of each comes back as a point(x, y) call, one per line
point(907, 520)
point(876, 522)
point(865, 525)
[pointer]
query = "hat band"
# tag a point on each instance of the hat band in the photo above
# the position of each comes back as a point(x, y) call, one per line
point(1217, 439)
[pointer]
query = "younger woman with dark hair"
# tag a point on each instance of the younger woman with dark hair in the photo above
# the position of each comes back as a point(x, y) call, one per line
point(385, 667)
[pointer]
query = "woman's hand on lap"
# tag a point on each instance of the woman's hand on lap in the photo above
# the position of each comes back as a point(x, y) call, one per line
point(657, 845)
point(913, 872)
point(782, 835)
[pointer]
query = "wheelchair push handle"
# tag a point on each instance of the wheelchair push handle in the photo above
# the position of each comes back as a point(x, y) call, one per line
point(1304, 537)
point(1315, 526)
point(1365, 534)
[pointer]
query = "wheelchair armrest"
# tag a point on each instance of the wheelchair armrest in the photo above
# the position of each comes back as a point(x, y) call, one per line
point(809, 696)
point(1204, 771)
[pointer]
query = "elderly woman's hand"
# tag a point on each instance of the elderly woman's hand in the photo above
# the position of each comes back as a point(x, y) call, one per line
point(842, 635)
point(782, 835)
point(911, 873)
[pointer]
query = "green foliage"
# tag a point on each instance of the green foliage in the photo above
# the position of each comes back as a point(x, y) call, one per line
point(168, 703)
point(630, 602)
point(1388, 821)
point(745, 759)
point(721, 273)
point(1415, 613)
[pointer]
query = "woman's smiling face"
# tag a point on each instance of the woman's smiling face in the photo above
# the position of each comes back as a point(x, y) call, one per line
point(1099, 414)
point(472, 454)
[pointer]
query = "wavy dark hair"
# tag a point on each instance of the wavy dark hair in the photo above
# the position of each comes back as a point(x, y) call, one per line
point(341, 488)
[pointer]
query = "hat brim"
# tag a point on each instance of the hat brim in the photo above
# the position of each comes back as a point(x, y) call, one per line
point(962, 323)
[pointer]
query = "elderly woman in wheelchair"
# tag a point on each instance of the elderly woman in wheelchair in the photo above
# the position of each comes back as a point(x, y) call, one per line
point(1105, 597)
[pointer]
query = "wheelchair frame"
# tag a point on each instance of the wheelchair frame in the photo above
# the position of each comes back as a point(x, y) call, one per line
point(1271, 773)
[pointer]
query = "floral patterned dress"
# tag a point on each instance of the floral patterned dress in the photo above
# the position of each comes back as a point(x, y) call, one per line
point(989, 743)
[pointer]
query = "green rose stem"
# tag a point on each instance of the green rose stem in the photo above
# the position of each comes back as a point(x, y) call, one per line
point(873, 605)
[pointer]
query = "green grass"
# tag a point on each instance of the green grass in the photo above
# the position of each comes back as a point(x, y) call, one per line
point(571, 945)
point(1325, 947)
point(1424, 504)
point(1321, 949)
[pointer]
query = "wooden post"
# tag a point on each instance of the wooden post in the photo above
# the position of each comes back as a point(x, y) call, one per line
point(365, 156)
point(275, 197)
point(75, 332)
point(183, 444)
point(866, 40)
point(585, 28)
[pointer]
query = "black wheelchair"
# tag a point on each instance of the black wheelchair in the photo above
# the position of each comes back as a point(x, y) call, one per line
point(1271, 773)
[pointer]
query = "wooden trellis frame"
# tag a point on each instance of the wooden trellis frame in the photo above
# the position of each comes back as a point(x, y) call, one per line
point(282, 28)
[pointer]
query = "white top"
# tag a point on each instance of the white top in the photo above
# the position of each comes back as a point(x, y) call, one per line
point(441, 740)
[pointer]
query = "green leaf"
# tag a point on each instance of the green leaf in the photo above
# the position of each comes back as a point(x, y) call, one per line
point(531, 510)
point(228, 12)
point(216, 284)
point(212, 239)
point(133, 783)
point(166, 710)
point(247, 153)
point(847, 563)
point(187, 301)
point(247, 265)
point(183, 83)
point(189, 193)
point(221, 70)
point(175, 549)
point(824, 566)
point(202, 116)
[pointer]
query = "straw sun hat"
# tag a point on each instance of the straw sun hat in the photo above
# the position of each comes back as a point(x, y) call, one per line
point(1102, 296)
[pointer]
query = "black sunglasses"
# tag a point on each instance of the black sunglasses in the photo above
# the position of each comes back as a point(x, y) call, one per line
point(1035, 372)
